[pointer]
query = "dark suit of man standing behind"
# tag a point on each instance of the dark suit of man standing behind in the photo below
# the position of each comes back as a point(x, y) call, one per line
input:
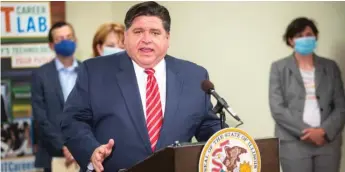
point(4, 117)
point(51, 84)
point(127, 105)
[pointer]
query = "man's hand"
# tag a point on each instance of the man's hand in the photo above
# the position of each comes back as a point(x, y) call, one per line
point(314, 135)
point(68, 156)
point(100, 154)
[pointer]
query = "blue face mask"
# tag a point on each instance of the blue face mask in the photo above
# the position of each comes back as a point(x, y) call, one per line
point(65, 48)
point(111, 50)
point(305, 45)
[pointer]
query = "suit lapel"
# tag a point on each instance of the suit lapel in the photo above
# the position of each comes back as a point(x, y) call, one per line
point(292, 64)
point(173, 94)
point(128, 84)
point(56, 82)
point(319, 71)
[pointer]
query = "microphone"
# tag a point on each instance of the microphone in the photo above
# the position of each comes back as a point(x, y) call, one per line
point(208, 87)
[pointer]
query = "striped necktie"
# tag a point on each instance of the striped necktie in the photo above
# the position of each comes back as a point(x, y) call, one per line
point(154, 112)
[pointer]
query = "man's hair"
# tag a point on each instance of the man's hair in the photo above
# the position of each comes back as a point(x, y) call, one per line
point(149, 8)
point(56, 26)
point(297, 26)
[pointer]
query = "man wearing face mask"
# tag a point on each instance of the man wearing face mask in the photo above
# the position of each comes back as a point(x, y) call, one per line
point(307, 102)
point(51, 85)
point(109, 39)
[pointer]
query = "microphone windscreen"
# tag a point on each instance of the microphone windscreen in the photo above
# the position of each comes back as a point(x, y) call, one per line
point(207, 85)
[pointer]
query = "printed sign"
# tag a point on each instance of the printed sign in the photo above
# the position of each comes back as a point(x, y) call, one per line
point(25, 19)
point(230, 150)
point(16, 139)
point(27, 55)
point(23, 164)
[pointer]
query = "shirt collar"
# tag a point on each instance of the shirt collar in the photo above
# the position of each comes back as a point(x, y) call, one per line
point(159, 68)
point(61, 67)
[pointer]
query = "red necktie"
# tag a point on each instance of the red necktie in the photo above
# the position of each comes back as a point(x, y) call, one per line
point(154, 112)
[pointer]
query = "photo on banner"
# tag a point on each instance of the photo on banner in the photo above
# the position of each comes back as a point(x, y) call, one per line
point(24, 47)
point(16, 140)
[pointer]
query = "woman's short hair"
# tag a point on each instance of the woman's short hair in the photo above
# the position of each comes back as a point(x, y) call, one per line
point(297, 26)
point(102, 33)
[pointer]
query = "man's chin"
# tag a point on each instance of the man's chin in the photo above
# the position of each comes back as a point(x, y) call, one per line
point(146, 56)
point(147, 62)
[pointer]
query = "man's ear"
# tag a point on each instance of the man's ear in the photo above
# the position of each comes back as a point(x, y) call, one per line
point(168, 35)
point(76, 42)
point(51, 46)
point(125, 37)
point(168, 38)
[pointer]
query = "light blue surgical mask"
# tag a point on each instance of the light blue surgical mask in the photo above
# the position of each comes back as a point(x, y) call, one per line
point(305, 45)
point(111, 50)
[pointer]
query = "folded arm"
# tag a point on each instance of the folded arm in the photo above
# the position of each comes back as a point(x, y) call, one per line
point(281, 114)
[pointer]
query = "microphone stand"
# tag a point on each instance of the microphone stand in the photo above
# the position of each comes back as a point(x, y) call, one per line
point(219, 109)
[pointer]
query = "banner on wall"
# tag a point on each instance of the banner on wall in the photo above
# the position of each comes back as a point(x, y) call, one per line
point(27, 55)
point(25, 19)
point(16, 138)
point(22, 164)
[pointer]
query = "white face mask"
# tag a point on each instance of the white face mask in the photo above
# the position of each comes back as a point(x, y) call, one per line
point(111, 50)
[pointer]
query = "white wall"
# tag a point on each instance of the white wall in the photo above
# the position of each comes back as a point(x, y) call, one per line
point(86, 17)
point(235, 41)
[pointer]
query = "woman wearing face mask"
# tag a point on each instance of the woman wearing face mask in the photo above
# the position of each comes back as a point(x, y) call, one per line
point(109, 39)
point(306, 98)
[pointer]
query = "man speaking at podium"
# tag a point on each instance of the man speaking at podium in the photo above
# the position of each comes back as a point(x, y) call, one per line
point(127, 105)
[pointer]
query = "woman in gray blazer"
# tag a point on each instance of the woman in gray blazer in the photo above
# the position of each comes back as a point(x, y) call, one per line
point(307, 102)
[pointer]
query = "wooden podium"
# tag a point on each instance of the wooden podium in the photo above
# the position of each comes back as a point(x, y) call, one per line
point(186, 158)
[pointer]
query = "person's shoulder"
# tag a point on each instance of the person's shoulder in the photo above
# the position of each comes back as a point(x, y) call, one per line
point(48, 65)
point(103, 61)
point(328, 65)
point(283, 61)
point(185, 65)
point(325, 60)
point(44, 68)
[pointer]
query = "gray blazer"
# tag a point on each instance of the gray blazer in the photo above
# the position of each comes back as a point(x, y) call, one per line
point(287, 95)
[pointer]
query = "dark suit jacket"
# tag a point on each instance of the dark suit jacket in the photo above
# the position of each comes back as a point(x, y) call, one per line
point(4, 117)
point(47, 105)
point(287, 97)
point(105, 103)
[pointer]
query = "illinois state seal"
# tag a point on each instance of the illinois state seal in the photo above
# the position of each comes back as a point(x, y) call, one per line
point(230, 150)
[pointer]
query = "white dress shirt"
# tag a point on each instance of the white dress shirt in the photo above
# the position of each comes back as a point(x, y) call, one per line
point(67, 76)
point(160, 75)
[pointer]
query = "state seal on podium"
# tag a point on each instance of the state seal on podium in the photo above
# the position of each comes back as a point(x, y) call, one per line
point(230, 150)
